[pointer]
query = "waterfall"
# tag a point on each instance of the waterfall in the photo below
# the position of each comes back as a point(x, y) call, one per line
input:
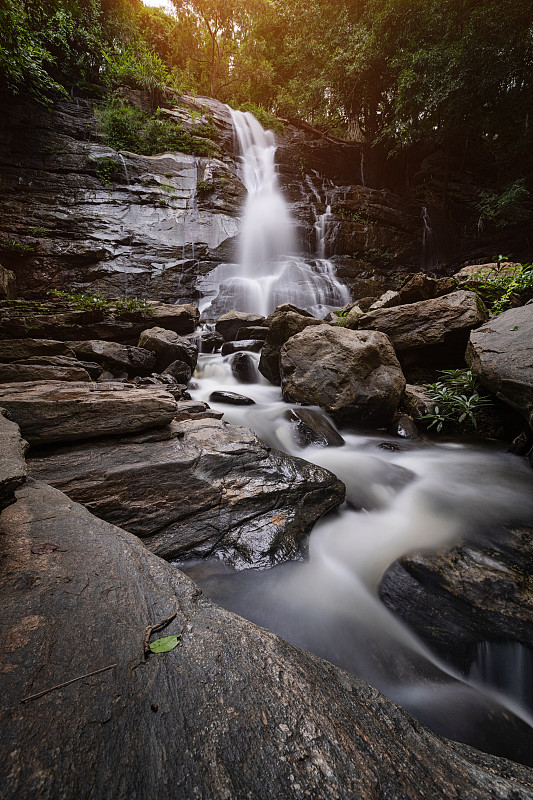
point(269, 271)
point(125, 168)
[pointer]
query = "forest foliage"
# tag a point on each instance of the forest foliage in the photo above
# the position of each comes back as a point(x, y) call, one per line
point(447, 73)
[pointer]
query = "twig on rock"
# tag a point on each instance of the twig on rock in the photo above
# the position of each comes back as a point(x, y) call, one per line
point(151, 628)
point(66, 683)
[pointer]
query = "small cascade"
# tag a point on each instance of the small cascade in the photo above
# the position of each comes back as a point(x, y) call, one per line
point(125, 169)
point(269, 271)
point(427, 239)
point(505, 666)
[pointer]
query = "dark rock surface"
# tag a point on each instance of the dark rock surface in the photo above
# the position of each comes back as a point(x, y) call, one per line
point(13, 468)
point(22, 349)
point(242, 346)
point(313, 427)
point(94, 369)
point(244, 367)
point(470, 593)
point(229, 324)
point(353, 375)
point(501, 353)
point(232, 713)
point(232, 398)
point(49, 411)
point(197, 488)
point(282, 325)
point(168, 347)
point(114, 356)
point(418, 330)
point(178, 370)
point(8, 284)
point(18, 373)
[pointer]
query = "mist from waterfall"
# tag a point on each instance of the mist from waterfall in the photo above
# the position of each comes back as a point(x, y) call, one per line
point(270, 271)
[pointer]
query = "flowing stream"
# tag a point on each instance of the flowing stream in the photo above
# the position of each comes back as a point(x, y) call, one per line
point(402, 496)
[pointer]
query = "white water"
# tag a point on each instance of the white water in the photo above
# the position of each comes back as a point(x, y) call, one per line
point(269, 271)
point(412, 497)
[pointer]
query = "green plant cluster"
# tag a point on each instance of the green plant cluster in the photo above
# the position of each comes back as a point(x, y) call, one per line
point(204, 188)
point(14, 248)
point(267, 119)
point(510, 206)
point(126, 127)
point(96, 302)
point(108, 170)
point(457, 399)
point(502, 287)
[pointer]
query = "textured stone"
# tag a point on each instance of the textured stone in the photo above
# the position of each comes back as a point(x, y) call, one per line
point(53, 412)
point(21, 349)
point(114, 356)
point(12, 464)
point(198, 488)
point(8, 284)
point(168, 347)
point(228, 325)
point(501, 353)
point(354, 375)
point(282, 325)
point(17, 373)
point(234, 712)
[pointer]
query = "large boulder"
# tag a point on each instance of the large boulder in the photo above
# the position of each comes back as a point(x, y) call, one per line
point(18, 373)
point(117, 357)
point(419, 331)
point(94, 369)
point(354, 375)
point(473, 592)
point(12, 463)
point(181, 319)
point(500, 353)
point(282, 325)
point(228, 325)
point(22, 349)
point(48, 411)
point(167, 347)
point(419, 287)
point(204, 487)
point(234, 712)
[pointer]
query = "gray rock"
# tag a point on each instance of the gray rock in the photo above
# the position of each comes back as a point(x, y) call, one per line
point(231, 397)
point(94, 369)
point(234, 712)
point(56, 411)
point(282, 325)
point(416, 402)
point(168, 347)
point(228, 325)
point(178, 370)
point(117, 357)
point(245, 345)
point(416, 330)
point(283, 308)
point(204, 487)
point(210, 342)
point(313, 427)
point(500, 352)
point(354, 375)
point(8, 284)
point(404, 426)
point(17, 373)
point(257, 332)
point(181, 319)
point(21, 349)
point(244, 367)
point(12, 464)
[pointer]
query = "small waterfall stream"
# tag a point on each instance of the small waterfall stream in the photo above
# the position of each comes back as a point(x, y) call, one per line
point(269, 271)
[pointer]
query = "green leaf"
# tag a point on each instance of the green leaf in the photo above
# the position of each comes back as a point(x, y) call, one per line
point(165, 644)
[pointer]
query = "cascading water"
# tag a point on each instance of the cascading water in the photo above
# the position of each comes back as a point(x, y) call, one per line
point(269, 271)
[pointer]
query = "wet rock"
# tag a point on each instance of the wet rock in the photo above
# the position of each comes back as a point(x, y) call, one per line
point(312, 427)
point(241, 712)
point(168, 347)
point(471, 593)
point(228, 325)
point(195, 409)
point(205, 488)
point(256, 332)
point(178, 370)
point(13, 469)
point(232, 398)
point(17, 372)
point(404, 426)
point(94, 369)
point(210, 342)
point(418, 331)
point(245, 345)
point(21, 349)
point(416, 402)
point(181, 319)
point(282, 325)
point(283, 308)
point(500, 353)
point(117, 358)
point(244, 367)
point(49, 411)
point(353, 375)
point(8, 284)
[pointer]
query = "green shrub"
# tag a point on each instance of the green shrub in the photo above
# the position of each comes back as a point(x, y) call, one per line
point(500, 288)
point(456, 399)
point(15, 249)
point(107, 169)
point(266, 118)
point(500, 209)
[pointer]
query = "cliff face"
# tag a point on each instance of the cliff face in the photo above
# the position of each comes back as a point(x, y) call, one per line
point(78, 215)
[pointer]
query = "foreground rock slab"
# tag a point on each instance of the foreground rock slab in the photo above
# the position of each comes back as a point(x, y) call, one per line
point(232, 713)
point(49, 411)
point(354, 375)
point(501, 353)
point(199, 488)
point(13, 468)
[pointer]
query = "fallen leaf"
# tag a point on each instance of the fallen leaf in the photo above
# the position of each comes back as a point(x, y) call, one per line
point(165, 644)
